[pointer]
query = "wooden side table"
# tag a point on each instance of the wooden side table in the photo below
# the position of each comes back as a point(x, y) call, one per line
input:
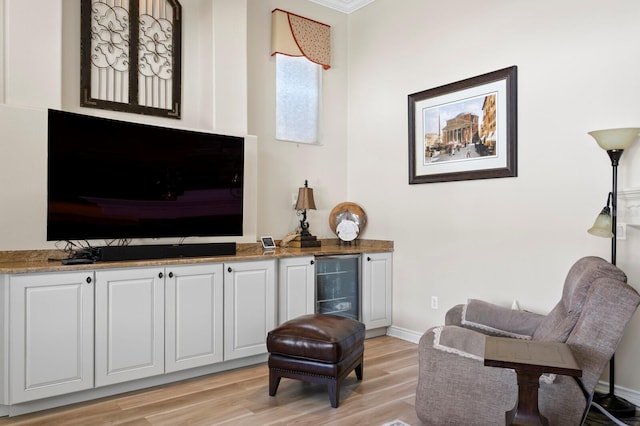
point(530, 359)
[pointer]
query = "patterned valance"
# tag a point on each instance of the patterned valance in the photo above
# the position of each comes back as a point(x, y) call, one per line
point(295, 35)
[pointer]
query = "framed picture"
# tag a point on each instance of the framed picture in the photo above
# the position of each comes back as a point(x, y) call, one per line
point(464, 130)
point(268, 242)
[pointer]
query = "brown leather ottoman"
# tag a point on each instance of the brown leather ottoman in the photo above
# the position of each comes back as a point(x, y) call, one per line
point(318, 348)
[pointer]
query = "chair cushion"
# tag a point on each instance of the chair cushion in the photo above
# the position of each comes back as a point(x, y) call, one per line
point(317, 337)
point(557, 326)
point(499, 321)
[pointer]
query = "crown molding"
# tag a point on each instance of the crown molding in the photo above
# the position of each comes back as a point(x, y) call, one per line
point(345, 6)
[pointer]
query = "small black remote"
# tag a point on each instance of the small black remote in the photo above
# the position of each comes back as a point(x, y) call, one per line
point(77, 261)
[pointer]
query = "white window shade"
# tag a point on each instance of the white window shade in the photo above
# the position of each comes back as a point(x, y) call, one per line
point(298, 84)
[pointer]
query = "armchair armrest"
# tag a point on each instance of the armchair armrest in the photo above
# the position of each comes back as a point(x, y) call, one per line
point(454, 315)
point(460, 341)
point(497, 320)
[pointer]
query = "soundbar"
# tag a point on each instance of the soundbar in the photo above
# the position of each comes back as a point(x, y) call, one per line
point(163, 251)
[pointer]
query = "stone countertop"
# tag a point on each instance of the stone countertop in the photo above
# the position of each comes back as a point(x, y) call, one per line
point(25, 261)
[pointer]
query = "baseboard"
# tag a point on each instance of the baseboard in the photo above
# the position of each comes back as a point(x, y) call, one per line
point(630, 395)
point(105, 391)
point(404, 334)
point(633, 396)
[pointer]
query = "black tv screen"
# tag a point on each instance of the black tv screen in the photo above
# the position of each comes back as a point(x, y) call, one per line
point(110, 179)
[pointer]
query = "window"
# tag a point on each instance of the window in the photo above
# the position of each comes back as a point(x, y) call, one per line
point(131, 56)
point(298, 88)
point(302, 48)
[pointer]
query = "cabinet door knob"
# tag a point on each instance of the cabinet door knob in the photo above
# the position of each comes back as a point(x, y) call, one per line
point(368, 259)
point(229, 269)
point(160, 275)
point(313, 262)
point(170, 274)
point(89, 280)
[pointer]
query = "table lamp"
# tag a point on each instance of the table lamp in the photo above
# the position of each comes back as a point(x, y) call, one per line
point(305, 201)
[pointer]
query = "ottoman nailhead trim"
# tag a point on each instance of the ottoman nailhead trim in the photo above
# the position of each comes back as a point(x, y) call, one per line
point(302, 373)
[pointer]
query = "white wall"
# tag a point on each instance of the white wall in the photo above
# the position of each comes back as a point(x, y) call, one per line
point(41, 58)
point(284, 166)
point(499, 239)
point(32, 46)
point(31, 76)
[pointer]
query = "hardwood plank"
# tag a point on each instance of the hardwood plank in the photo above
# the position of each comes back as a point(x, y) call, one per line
point(240, 397)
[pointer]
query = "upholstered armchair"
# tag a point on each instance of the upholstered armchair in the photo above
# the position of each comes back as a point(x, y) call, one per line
point(454, 385)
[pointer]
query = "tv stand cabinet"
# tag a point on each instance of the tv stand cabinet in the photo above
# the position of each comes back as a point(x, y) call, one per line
point(71, 333)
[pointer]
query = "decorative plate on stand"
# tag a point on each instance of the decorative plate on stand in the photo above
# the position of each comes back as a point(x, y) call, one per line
point(347, 220)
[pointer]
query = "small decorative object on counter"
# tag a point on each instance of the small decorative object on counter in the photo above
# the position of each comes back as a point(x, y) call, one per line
point(305, 201)
point(347, 220)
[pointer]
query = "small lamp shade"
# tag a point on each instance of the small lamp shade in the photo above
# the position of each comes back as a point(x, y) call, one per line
point(602, 227)
point(610, 139)
point(305, 202)
point(305, 199)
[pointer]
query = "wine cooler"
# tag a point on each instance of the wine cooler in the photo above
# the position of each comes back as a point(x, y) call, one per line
point(338, 285)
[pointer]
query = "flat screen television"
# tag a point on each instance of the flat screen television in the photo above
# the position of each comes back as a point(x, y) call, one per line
point(110, 179)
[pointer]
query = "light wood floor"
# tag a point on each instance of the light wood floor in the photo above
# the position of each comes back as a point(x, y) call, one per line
point(241, 397)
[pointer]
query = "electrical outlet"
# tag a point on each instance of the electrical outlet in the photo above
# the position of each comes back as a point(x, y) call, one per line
point(434, 302)
point(621, 231)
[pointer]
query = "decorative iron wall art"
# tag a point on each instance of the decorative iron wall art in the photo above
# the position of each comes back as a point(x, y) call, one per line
point(131, 56)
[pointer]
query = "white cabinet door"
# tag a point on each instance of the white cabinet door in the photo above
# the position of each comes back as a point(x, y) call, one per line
point(51, 335)
point(250, 303)
point(296, 277)
point(376, 289)
point(194, 313)
point(129, 324)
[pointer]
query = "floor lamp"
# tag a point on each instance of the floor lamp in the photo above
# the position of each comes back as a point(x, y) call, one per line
point(614, 141)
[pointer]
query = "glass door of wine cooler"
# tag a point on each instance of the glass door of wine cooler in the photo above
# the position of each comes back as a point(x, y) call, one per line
point(338, 285)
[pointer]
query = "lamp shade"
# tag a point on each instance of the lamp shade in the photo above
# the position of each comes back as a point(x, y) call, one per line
point(615, 138)
point(305, 199)
point(602, 227)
